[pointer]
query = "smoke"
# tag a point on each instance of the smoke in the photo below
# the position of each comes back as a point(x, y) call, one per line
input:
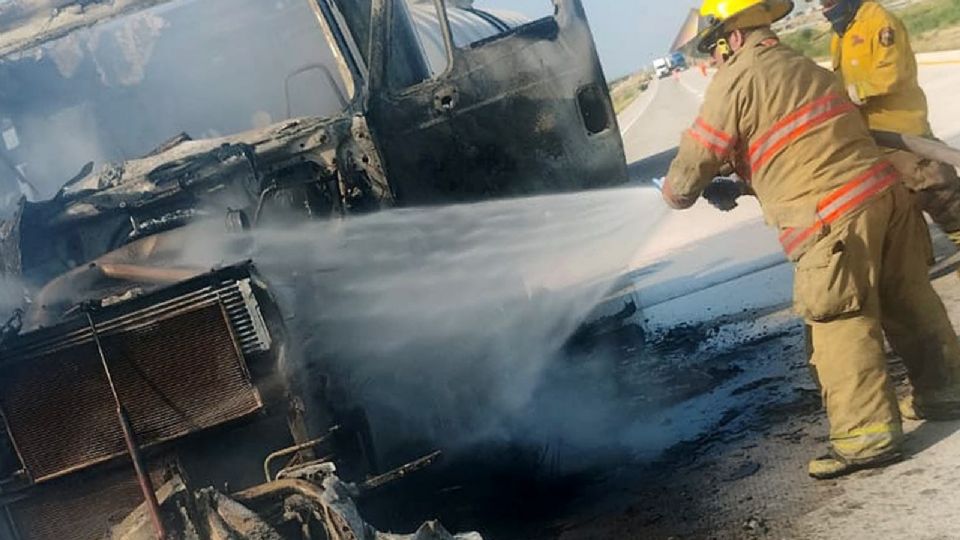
point(447, 324)
point(13, 295)
point(182, 66)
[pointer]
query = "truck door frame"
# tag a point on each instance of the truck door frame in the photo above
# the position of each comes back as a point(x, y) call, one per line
point(437, 137)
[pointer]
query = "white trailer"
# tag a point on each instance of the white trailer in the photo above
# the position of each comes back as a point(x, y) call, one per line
point(661, 67)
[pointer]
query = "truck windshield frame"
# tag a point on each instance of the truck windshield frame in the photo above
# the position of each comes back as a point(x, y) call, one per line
point(119, 88)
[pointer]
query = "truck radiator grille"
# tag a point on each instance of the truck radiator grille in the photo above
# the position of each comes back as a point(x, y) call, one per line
point(82, 506)
point(177, 363)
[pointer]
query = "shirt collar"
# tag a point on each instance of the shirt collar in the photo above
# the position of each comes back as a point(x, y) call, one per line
point(754, 40)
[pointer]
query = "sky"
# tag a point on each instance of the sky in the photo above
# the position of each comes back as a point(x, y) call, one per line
point(629, 33)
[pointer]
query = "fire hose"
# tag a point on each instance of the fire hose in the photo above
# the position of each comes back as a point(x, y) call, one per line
point(931, 149)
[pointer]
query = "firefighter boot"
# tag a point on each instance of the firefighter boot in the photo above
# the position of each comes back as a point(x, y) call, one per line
point(943, 406)
point(908, 410)
point(955, 239)
point(936, 411)
point(833, 465)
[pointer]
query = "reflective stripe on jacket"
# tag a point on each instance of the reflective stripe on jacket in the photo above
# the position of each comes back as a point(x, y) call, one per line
point(842, 202)
point(785, 124)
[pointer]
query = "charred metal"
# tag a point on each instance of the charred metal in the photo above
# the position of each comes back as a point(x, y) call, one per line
point(199, 358)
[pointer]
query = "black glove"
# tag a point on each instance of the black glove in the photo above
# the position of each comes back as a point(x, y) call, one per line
point(723, 193)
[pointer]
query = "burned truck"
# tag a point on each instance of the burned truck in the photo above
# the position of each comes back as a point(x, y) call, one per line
point(126, 123)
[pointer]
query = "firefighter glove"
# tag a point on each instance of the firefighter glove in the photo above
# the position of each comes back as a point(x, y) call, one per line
point(723, 193)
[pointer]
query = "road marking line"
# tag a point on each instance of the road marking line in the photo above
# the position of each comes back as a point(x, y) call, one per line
point(691, 89)
point(632, 123)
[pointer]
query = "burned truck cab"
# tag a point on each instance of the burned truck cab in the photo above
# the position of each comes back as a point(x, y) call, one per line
point(139, 125)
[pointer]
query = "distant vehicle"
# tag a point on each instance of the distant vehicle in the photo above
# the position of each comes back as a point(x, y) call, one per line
point(677, 62)
point(662, 67)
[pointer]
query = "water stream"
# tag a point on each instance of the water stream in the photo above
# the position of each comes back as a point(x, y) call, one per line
point(445, 323)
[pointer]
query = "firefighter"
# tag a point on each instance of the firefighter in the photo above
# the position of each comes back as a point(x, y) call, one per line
point(859, 242)
point(872, 55)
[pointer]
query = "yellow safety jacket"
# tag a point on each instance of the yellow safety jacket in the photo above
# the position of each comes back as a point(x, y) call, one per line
point(874, 55)
point(790, 129)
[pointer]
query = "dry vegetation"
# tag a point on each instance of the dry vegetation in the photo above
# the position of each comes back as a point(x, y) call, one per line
point(626, 89)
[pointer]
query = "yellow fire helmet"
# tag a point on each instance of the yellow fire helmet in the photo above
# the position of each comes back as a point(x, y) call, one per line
point(719, 17)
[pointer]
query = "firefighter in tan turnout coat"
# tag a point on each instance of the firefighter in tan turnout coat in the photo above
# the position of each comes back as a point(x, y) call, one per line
point(858, 240)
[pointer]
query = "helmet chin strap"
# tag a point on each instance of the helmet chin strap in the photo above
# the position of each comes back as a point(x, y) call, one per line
point(723, 47)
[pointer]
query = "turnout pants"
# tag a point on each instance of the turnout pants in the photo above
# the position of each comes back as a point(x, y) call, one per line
point(863, 279)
